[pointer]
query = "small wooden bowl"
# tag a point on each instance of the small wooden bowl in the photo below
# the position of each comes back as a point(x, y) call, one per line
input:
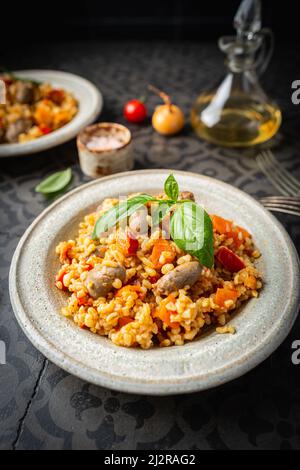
point(114, 153)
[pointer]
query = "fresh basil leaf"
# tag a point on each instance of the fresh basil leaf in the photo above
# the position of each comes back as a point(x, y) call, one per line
point(192, 231)
point(160, 212)
point(55, 183)
point(172, 188)
point(119, 212)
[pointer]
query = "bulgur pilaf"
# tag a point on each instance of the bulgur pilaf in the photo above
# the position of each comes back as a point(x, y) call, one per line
point(144, 290)
point(33, 109)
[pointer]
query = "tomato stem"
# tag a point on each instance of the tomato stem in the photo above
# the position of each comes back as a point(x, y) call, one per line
point(142, 99)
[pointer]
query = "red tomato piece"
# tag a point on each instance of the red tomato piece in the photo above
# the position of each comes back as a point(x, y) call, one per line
point(57, 96)
point(45, 129)
point(60, 278)
point(133, 245)
point(230, 260)
point(153, 279)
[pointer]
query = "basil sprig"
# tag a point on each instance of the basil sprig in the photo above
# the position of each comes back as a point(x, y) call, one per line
point(172, 188)
point(191, 226)
point(163, 209)
point(119, 212)
point(192, 231)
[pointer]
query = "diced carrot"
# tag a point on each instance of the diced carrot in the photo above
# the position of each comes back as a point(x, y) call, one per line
point(222, 226)
point(162, 246)
point(226, 227)
point(225, 294)
point(164, 314)
point(43, 114)
point(124, 321)
point(128, 290)
point(244, 232)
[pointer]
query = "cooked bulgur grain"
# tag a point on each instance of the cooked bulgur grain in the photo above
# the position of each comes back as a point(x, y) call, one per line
point(132, 313)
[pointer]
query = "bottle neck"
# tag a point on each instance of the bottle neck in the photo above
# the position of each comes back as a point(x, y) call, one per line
point(240, 63)
point(241, 55)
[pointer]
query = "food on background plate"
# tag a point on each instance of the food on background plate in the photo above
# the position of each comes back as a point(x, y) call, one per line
point(167, 119)
point(156, 270)
point(33, 109)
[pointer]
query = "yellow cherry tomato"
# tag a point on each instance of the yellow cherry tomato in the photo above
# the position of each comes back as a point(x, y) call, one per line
point(168, 119)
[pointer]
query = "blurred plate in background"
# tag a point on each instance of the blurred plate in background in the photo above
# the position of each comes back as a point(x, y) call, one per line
point(90, 103)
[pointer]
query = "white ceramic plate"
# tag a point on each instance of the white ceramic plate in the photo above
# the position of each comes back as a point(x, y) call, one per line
point(90, 105)
point(262, 324)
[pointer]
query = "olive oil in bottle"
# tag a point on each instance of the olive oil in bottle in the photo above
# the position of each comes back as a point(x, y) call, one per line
point(238, 113)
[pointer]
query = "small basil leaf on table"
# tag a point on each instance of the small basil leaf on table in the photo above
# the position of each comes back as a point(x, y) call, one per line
point(119, 212)
point(172, 188)
point(55, 183)
point(192, 231)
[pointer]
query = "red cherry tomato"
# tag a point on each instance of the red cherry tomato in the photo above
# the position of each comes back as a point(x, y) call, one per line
point(135, 111)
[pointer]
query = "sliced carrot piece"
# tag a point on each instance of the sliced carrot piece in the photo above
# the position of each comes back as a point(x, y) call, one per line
point(225, 294)
point(162, 246)
point(226, 227)
point(164, 314)
point(222, 226)
point(127, 289)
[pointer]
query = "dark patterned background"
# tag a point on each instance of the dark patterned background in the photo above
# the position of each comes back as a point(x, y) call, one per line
point(43, 407)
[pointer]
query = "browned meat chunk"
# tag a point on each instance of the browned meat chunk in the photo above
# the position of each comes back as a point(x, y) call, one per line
point(185, 275)
point(187, 195)
point(100, 280)
point(25, 92)
point(16, 128)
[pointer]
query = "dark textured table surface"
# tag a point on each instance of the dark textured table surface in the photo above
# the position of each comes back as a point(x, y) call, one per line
point(43, 407)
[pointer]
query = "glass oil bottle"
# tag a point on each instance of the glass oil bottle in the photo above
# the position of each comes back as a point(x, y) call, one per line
point(238, 113)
